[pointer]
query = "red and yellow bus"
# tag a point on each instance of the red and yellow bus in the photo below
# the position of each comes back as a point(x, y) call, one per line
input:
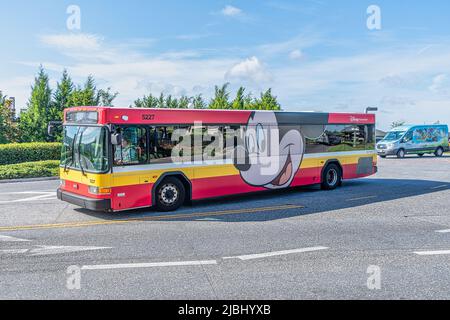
point(116, 159)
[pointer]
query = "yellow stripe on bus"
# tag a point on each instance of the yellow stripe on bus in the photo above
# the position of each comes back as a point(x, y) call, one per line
point(150, 176)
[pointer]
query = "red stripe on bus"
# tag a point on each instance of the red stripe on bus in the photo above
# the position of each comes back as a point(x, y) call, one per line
point(176, 116)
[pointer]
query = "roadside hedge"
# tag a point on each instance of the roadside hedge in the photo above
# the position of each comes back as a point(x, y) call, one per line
point(29, 152)
point(37, 169)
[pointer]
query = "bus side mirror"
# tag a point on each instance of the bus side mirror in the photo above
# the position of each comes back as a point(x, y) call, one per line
point(116, 139)
point(52, 126)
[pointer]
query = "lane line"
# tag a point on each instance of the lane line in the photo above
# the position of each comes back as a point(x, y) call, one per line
point(42, 196)
point(443, 231)
point(440, 187)
point(432, 253)
point(52, 250)
point(276, 253)
point(12, 239)
point(13, 251)
point(148, 265)
point(151, 218)
point(362, 198)
point(27, 192)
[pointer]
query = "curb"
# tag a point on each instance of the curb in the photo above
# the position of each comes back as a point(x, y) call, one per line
point(28, 180)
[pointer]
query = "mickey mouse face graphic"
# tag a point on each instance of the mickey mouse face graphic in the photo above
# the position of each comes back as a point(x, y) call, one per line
point(269, 155)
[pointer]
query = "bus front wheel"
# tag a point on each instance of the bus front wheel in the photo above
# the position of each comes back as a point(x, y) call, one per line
point(170, 194)
point(332, 177)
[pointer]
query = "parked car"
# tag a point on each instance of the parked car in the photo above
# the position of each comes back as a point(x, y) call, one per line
point(414, 139)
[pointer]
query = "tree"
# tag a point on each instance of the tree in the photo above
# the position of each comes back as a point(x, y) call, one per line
point(171, 103)
point(198, 102)
point(267, 101)
point(61, 96)
point(239, 102)
point(106, 97)
point(161, 101)
point(147, 102)
point(183, 102)
point(90, 96)
point(33, 122)
point(8, 129)
point(396, 124)
point(221, 97)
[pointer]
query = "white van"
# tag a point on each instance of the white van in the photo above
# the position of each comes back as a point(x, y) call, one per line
point(420, 140)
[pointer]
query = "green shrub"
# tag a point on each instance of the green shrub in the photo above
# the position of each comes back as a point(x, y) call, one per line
point(29, 152)
point(38, 169)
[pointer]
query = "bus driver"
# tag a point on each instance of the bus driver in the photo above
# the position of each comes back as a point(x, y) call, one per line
point(126, 154)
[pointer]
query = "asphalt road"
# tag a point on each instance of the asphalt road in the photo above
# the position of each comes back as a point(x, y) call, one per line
point(391, 231)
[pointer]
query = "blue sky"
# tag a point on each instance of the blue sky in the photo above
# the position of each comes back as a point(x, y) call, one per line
point(315, 54)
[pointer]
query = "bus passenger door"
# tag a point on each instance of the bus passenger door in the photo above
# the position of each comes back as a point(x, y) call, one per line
point(131, 187)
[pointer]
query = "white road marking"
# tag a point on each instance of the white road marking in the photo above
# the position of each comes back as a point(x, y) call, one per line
point(13, 251)
point(440, 187)
point(51, 250)
point(12, 239)
point(432, 253)
point(276, 253)
point(362, 198)
point(148, 265)
point(27, 192)
point(41, 196)
point(443, 231)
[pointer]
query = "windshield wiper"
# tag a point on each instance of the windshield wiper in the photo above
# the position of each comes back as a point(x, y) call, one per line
point(72, 156)
point(79, 154)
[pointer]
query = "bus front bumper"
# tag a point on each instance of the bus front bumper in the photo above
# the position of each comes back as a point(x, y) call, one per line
point(84, 202)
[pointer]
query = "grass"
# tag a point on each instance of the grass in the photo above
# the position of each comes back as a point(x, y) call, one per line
point(49, 168)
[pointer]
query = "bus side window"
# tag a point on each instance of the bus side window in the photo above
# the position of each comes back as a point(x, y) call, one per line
point(134, 149)
point(163, 141)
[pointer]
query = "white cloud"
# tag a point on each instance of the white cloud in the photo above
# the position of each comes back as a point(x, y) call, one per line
point(73, 41)
point(249, 69)
point(297, 43)
point(296, 54)
point(440, 84)
point(231, 11)
point(397, 79)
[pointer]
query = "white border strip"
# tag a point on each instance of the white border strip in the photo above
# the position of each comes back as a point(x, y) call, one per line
point(148, 265)
point(432, 253)
point(276, 253)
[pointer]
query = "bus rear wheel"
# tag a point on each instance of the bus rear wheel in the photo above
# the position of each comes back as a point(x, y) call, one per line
point(170, 195)
point(439, 152)
point(332, 177)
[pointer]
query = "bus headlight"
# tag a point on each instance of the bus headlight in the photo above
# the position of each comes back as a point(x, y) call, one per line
point(62, 183)
point(97, 190)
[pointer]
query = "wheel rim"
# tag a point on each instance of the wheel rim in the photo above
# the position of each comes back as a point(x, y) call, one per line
point(332, 177)
point(402, 153)
point(439, 152)
point(168, 194)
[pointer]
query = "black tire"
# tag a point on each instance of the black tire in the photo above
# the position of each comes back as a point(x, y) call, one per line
point(331, 177)
point(401, 153)
point(420, 155)
point(170, 195)
point(384, 157)
point(439, 152)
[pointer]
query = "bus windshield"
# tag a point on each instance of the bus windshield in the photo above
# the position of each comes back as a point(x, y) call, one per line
point(85, 148)
point(394, 135)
